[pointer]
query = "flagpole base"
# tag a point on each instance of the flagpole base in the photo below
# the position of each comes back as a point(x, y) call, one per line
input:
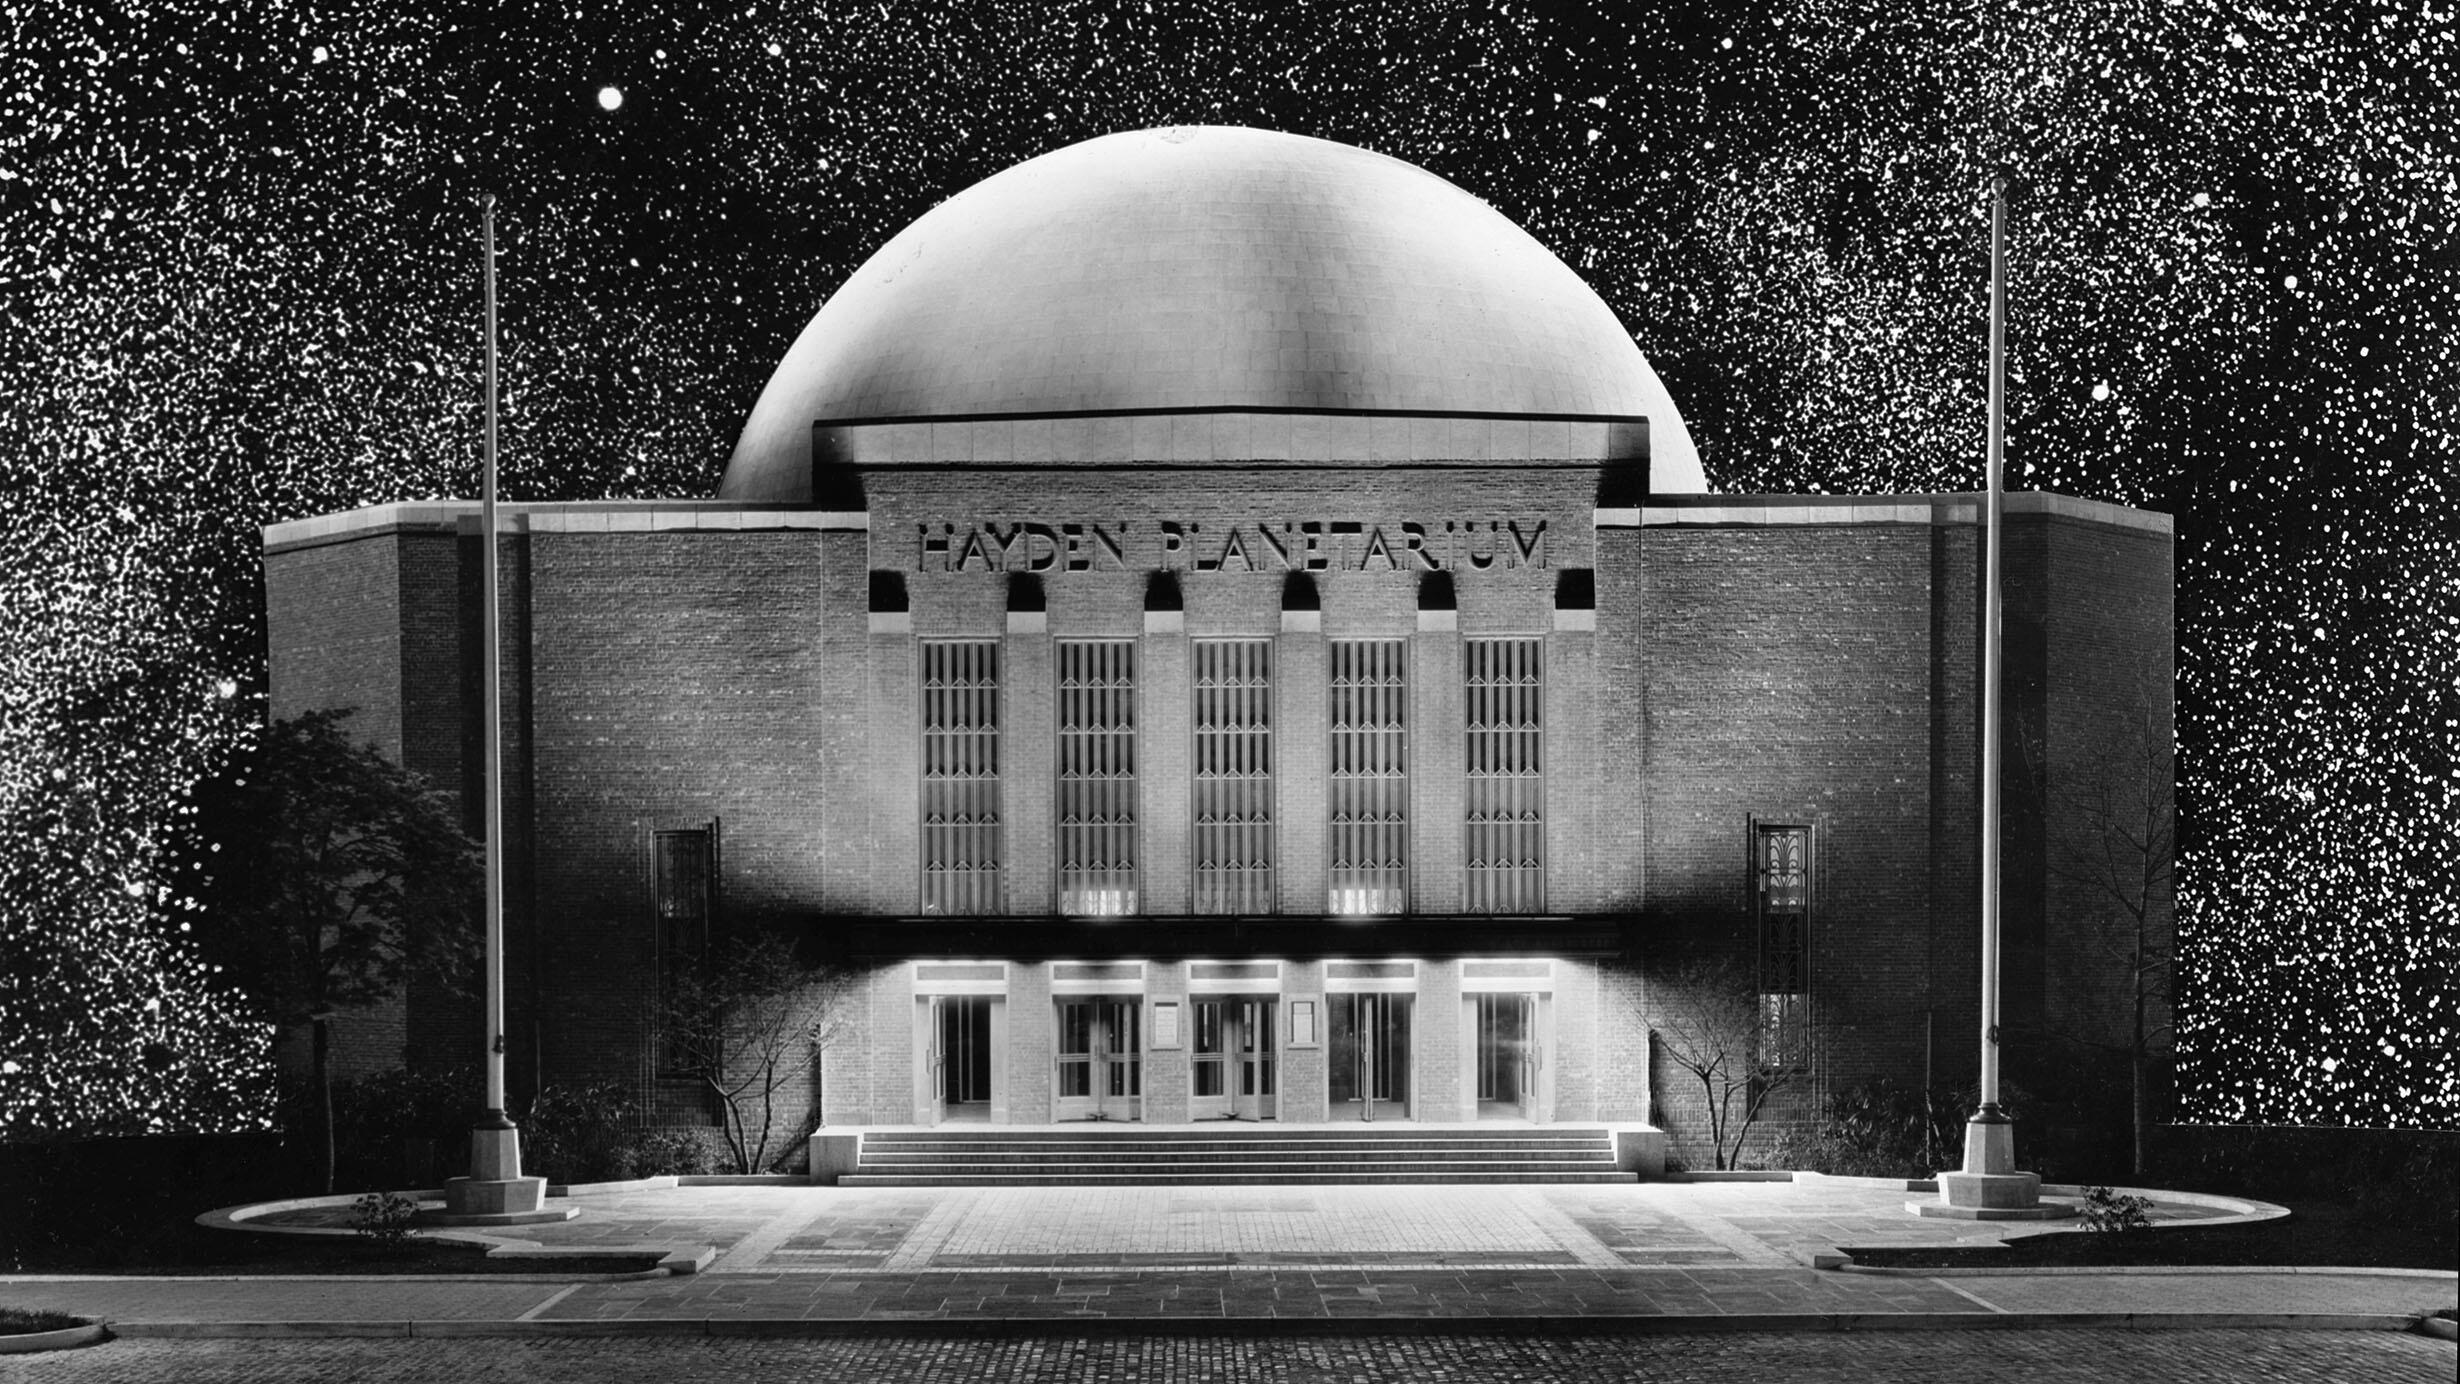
point(496, 1193)
point(1989, 1188)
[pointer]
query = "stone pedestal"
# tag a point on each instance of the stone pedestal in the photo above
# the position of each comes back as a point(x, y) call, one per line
point(1989, 1188)
point(496, 1193)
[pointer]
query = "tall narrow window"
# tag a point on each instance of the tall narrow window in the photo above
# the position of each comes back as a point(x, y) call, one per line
point(1782, 870)
point(960, 777)
point(1370, 776)
point(1506, 856)
point(1234, 776)
point(683, 899)
point(1097, 778)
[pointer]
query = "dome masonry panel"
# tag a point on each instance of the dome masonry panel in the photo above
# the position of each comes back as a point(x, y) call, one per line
point(1281, 297)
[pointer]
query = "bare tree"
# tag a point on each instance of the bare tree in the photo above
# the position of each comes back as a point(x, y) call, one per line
point(2112, 839)
point(750, 1021)
point(1711, 1021)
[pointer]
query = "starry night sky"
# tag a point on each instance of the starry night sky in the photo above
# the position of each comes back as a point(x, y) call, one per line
point(239, 275)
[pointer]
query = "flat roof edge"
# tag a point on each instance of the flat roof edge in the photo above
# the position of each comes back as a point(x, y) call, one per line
point(566, 516)
point(1756, 511)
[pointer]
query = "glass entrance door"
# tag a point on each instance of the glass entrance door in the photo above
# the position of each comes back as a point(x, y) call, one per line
point(1234, 1060)
point(961, 1056)
point(1101, 1070)
point(1369, 1055)
point(1509, 1057)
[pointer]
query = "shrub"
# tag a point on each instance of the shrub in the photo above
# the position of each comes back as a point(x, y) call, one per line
point(653, 1152)
point(20, 1321)
point(388, 1218)
point(1878, 1129)
point(2111, 1213)
point(591, 1132)
point(376, 1116)
point(580, 1133)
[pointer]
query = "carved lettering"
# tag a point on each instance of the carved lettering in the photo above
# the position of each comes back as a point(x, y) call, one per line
point(1342, 531)
point(1042, 561)
point(1305, 545)
point(1235, 546)
point(1480, 561)
point(976, 548)
point(1311, 554)
point(1532, 548)
point(1376, 547)
point(1006, 541)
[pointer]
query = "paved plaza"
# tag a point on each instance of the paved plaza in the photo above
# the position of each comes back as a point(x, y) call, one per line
point(821, 1230)
point(1682, 1256)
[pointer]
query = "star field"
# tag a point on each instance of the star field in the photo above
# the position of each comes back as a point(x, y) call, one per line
point(239, 278)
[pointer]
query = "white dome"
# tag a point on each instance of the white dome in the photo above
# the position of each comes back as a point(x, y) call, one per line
point(1206, 268)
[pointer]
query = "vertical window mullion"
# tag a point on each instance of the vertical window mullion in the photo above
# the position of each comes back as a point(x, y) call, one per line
point(960, 842)
point(1505, 865)
point(1369, 762)
point(1097, 777)
point(1233, 815)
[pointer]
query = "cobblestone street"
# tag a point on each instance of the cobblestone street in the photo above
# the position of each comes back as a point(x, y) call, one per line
point(994, 1353)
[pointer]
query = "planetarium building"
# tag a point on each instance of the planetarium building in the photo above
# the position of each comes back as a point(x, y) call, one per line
point(1217, 624)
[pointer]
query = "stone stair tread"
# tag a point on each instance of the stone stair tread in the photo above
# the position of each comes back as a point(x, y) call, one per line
point(1174, 1176)
point(1130, 1154)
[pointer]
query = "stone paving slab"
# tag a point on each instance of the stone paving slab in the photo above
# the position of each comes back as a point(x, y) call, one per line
point(1731, 1252)
point(828, 1229)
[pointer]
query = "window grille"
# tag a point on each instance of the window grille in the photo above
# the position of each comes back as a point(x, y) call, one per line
point(1234, 776)
point(1782, 869)
point(683, 901)
point(1506, 855)
point(960, 777)
point(1097, 778)
point(1370, 777)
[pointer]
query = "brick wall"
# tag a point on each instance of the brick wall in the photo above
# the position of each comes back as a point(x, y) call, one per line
point(1793, 672)
point(335, 639)
point(1786, 676)
point(2097, 750)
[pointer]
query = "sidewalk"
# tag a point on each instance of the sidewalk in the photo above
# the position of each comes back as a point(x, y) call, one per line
point(1657, 1256)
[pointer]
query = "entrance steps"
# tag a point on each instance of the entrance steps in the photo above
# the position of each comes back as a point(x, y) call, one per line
point(1233, 1153)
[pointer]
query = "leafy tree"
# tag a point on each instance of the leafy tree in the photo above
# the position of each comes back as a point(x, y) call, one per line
point(1710, 1022)
point(338, 877)
point(749, 1020)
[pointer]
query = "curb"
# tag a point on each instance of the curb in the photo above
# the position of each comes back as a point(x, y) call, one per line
point(672, 1258)
point(66, 1338)
point(2144, 1271)
point(1740, 1322)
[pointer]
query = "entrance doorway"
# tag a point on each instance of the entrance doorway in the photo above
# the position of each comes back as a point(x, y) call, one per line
point(1235, 1076)
point(1101, 1067)
point(1509, 1056)
point(1369, 1055)
point(957, 1077)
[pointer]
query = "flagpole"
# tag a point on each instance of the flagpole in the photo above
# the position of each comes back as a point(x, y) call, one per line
point(495, 1192)
point(1992, 653)
point(491, 661)
point(1988, 1187)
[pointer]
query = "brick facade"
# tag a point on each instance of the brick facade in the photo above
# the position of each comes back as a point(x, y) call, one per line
point(1747, 660)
